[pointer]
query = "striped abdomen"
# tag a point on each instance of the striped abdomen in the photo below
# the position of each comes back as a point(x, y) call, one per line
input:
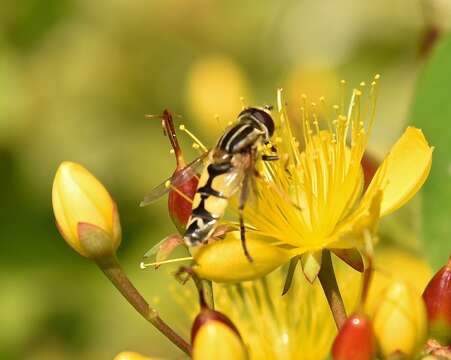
point(218, 182)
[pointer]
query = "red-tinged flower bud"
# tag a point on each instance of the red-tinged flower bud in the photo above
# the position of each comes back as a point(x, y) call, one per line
point(179, 199)
point(437, 297)
point(85, 213)
point(369, 165)
point(355, 340)
point(214, 336)
point(178, 204)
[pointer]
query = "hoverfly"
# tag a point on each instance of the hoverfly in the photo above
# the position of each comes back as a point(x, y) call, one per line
point(230, 167)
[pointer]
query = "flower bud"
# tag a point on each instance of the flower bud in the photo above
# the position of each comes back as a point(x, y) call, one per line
point(437, 297)
point(179, 198)
point(85, 213)
point(225, 261)
point(178, 205)
point(131, 355)
point(355, 340)
point(213, 336)
point(369, 166)
point(399, 320)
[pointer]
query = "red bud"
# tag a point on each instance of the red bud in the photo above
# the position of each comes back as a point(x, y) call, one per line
point(207, 315)
point(437, 297)
point(369, 165)
point(355, 340)
point(178, 205)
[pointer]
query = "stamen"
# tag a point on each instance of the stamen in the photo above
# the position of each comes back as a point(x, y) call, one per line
point(342, 95)
point(326, 113)
point(182, 127)
point(372, 103)
point(304, 104)
point(187, 198)
point(144, 265)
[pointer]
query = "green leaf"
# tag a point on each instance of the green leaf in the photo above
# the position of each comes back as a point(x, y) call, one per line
point(431, 111)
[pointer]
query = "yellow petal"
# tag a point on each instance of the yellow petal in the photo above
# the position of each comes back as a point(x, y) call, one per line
point(216, 340)
point(78, 197)
point(224, 260)
point(350, 233)
point(403, 171)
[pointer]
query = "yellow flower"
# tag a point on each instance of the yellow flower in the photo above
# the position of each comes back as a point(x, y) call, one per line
point(85, 213)
point(311, 199)
point(298, 325)
point(399, 320)
point(131, 355)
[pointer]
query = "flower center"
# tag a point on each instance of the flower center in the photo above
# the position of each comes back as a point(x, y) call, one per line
point(318, 185)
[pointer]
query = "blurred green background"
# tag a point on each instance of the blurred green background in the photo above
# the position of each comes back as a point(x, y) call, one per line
point(77, 77)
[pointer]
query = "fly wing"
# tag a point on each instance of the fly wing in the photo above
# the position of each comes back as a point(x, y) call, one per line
point(175, 180)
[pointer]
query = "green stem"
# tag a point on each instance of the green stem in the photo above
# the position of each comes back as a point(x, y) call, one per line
point(113, 270)
point(330, 287)
point(207, 286)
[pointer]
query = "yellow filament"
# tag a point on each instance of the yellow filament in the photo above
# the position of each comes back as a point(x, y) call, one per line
point(192, 136)
point(144, 265)
point(314, 186)
point(181, 194)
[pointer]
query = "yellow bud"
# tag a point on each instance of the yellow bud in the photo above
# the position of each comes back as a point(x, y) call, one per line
point(224, 260)
point(85, 213)
point(399, 320)
point(131, 355)
point(216, 340)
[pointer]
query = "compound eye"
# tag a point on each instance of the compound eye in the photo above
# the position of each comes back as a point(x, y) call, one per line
point(260, 115)
point(264, 117)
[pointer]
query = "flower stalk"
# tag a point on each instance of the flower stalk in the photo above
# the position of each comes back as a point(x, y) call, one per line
point(114, 272)
point(329, 284)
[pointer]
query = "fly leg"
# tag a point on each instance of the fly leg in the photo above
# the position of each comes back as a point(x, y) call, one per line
point(273, 156)
point(242, 202)
point(270, 157)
